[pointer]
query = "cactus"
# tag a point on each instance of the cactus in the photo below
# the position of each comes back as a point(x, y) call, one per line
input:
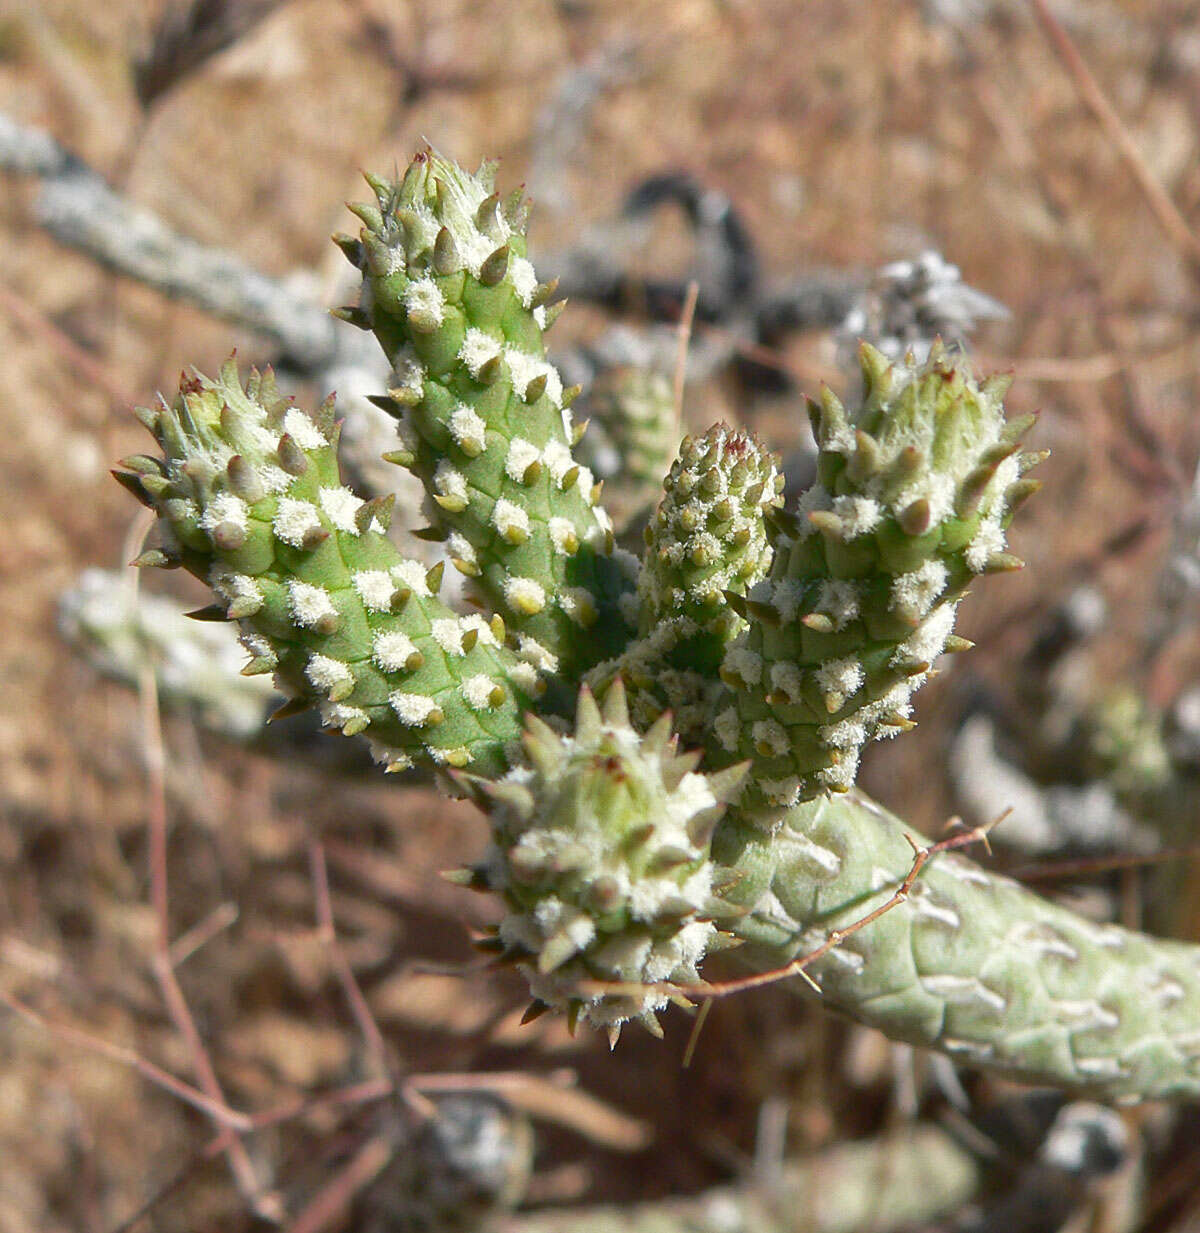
point(774, 643)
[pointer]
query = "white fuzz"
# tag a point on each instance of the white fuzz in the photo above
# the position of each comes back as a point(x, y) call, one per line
point(987, 541)
point(858, 514)
point(769, 736)
point(225, 507)
point(524, 281)
point(477, 350)
point(524, 595)
point(424, 298)
point(448, 481)
point(781, 792)
point(508, 517)
point(539, 315)
point(926, 644)
point(578, 604)
point(303, 431)
point(525, 368)
point(840, 776)
point(238, 589)
point(338, 715)
point(521, 456)
point(448, 634)
point(746, 665)
point(845, 733)
point(917, 592)
point(408, 372)
point(388, 756)
point(786, 598)
point(532, 652)
point(294, 520)
point(340, 506)
point(460, 548)
point(258, 646)
point(840, 676)
point(728, 727)
point(468, 429)
point(477, 690)
point(392, 651)
point(412, 575)
point(274, 479)
point(524, 676)
point(557, 458)
point(310, 604)
point(480, 626)
point(411, 709)
point(839, 601)
point(630, 608)
point(325, 674)
point(562, 533)
point(787, 678)
point(375, 588)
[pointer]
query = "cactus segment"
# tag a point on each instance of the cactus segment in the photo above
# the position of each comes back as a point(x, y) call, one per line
point(250, 500)
point(706, 542)
point(912, 499)
point(973, 965)
point(632, 440)
point(483, 417)
point(600, 851)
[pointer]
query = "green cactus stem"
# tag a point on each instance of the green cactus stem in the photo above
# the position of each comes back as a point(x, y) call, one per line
point(913, 495)
point(973, 964)
point(483, 417)
point(250, 500)
point(632, 440)
point(600, 851)
point(706, 541)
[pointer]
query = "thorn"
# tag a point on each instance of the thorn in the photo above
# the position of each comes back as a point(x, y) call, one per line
point(293, 706)
point(352, 315)
point(210, 612)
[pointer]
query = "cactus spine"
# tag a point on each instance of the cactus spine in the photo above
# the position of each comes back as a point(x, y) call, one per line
point(785, 642)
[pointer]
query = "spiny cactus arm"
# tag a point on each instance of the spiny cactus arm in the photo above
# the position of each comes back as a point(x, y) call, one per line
point(914, 493)
point(600, 852)
point(483, 417)
point(973, 964)
point(250, 500)
point(706, 541)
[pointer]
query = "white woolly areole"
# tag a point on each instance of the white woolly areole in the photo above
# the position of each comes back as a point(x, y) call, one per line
point(786, 598)
point(840, 676)
point(477, 691)
point(839, 601)
point(787, 678)
point(745, 664)
point(928, 642)
point(338, 715)
point(467, 428)
point(458, 546)
point(474, 621)
point(524, 369)
point(294, 519)
point(769, 735)
point(309, 604)
point(985, 543)
point(411, 709)
point(728, 726)
point(558, 460)
point(412, 575)
point(781, 792)
point(917, 592)
point(449, 481)
point(424, 298)
point(375, 588)
point(389, 756)
point(238, 589)
point(508, 517)
point(477, 350)
point(562, 533)
point(340, 506)
point(274, 479)
point(392, 650)
point(858, 514)
point(533, 652)
point(448, 634)
point(524, 676)
point(524, 595)
point(325, 673)
point(225, 507)
point(524, 281)
point(521, 456)
point(258, 646)
point(303, 431)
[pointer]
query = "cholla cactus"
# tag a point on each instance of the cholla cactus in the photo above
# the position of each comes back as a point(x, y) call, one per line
point(786, 641)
